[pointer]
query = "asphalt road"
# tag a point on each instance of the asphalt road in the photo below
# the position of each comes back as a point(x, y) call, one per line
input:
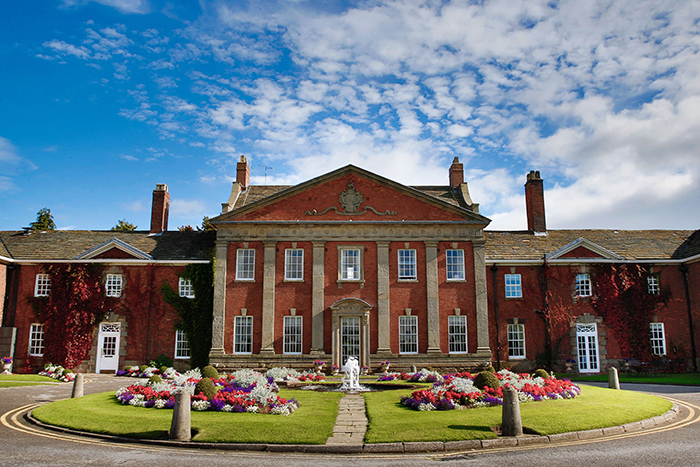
point(22, 444)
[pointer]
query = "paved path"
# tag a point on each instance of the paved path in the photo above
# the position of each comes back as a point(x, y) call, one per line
point(351, 424)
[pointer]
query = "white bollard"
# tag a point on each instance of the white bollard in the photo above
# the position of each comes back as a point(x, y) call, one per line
point(512, 424)
point(180, 428)
point(77, 386)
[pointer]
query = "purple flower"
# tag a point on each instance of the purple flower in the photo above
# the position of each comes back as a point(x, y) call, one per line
point(217, 405)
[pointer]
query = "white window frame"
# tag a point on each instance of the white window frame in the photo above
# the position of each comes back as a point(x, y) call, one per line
point(294, 264)
point(42, 285)
point(407, 264)
point(345, 261)
point(185, 288)
point(113, 285)
point(513, 285)
point(182, 345)
point(516, 341)
point(455, 264)
point(245, 264)
point(653, 284)
point(583, 285)
point(293, 335)
point(36, 340)
point(243, 342)
point(657, 338)
point(457, 328)
point(408, 334)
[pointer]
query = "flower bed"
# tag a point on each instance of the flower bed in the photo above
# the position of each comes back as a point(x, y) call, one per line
point(457, 391)
point(242, 391)
point(57, 372)
point(422, 376)
point(289, 374)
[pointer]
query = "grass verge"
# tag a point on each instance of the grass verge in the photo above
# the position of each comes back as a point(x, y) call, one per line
point(102, 413)
point(685, 379)
point(34, 378)
point(14, 384)
point(389, 421)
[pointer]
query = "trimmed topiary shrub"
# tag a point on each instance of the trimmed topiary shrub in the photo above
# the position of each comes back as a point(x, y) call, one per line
point(155, 379)
point(490, 368)
point(541, 373)
point(210, 372)
point(143, 368)
point(206, 386)
point(486, 379)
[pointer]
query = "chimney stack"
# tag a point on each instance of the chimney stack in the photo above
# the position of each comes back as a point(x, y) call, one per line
point(456, 173)
point(534, 203)
point(160, 209)
point(243, 173)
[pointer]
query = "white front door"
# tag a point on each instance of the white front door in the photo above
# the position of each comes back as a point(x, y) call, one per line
point(108, 347)
point(587, 342)
point(349, 338)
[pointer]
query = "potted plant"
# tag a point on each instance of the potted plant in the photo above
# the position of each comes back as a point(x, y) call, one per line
point(6, 365)
point(569, 365)
point(335, 369)
point(365, 370)
point(318, 365)
point(385, 366)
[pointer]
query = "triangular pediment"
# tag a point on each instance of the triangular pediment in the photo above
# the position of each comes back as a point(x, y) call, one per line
point(582, 248)
point(351, 194)
point(114, 249)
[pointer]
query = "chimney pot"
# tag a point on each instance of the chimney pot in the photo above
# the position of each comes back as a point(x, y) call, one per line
point(160, 209)
point(534, 203)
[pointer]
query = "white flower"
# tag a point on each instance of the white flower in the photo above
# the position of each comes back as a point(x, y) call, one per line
point(160, 404)
point(200, 406)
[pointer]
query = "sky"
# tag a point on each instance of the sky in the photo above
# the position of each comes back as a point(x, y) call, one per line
point(100, 100)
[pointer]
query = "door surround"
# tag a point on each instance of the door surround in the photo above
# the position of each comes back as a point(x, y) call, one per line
point(351, 307)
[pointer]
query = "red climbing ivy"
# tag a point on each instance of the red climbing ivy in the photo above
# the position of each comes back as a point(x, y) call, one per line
point(623, 300)
point(76, 303)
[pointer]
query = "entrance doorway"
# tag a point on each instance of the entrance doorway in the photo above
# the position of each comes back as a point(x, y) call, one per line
point(587, 343)
point(108, 347)
point(350, 331)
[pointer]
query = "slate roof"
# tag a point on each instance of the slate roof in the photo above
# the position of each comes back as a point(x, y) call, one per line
point(629, 244)
point(257, 192)
point(67, 244)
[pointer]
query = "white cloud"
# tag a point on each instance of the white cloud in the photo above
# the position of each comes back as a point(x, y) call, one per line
point(184, 208)
point(63, 48)
point(125, 6)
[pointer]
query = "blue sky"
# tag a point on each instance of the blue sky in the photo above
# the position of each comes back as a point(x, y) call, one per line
point(100, 100)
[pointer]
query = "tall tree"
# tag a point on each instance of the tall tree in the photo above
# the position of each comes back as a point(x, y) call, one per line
point(44, 220)
point(124, 226)
point(195, 313)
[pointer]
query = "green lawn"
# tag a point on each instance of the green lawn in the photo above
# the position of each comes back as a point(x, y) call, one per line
point(389, 421)
point(33, 378)
point(688, 379)
point(312, 423)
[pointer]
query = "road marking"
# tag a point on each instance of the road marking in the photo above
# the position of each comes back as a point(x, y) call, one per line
point(16, 424)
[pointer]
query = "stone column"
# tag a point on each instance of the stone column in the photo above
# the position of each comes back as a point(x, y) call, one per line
point(433, 305)
point(217, 328)
point(317, 299)
point(383, 312)
point(268, 311)
point(482, 312)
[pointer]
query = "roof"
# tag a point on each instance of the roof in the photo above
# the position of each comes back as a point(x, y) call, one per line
point(257, 192)
point(628, 244)
point(68, 244)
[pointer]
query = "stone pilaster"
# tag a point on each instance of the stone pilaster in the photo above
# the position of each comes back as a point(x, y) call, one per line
point(219, 312)
point(433, 305)
point(317, 298)
point(383, 313)
point(482, 313)
point(268, 311)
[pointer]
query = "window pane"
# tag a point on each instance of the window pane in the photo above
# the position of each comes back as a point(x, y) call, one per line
point(245, 264)
point(182, 346)
point(113, 286)
point(407, 264)
point(658, 342)
point(292, 334)
point(408, 334)
point(455, 265)
point(350, 265)
point(516, 340)
point(36, 340)
point(42, 285)
point(513, 286)
point(243, 334)
point(458, 334)
point(583, 285)
point(294, 264)
point(185, 286)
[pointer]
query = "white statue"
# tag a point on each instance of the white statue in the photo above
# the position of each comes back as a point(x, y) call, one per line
point(351, 380)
